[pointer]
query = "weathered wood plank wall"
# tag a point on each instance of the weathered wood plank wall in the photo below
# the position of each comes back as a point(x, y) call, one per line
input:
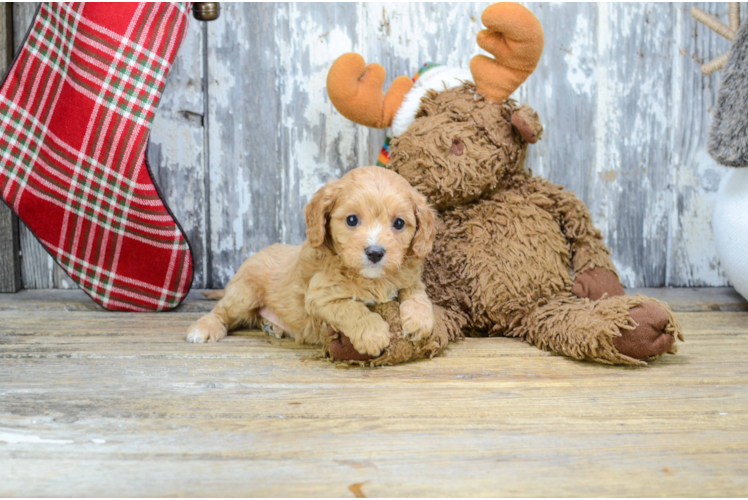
point(245, 133)
point(10, 262)
point(38, 269)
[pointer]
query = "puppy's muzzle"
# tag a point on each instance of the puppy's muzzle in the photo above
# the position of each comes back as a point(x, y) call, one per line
point(374, 253)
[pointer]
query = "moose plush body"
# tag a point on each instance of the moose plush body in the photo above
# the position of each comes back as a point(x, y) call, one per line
point(514, 254)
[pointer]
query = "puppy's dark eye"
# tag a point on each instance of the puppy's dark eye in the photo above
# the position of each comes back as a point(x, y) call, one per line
point(352, 221)
point(398, 224)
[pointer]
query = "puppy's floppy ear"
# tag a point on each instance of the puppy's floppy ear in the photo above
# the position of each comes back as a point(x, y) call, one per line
point(423, 240)
point(317, 212)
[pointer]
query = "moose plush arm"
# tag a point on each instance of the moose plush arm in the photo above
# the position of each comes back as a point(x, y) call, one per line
point(594, 272)
point(587, 246)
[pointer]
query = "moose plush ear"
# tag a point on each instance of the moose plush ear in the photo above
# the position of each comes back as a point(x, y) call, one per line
point(317, 213)
point(515, 38)
point(525, 120)
point(423, 240)
point(355, 90)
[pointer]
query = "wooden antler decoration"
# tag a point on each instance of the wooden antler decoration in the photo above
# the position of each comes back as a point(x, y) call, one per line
point(721, 29)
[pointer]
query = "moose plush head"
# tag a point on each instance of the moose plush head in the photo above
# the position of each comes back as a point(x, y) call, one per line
point(514, 254)
point(454, 140)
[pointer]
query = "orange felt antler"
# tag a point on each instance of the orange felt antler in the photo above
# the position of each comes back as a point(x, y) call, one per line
point(355, 90)
point(515, 38)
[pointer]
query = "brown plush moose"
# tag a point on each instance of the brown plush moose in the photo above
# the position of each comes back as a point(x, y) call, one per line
point(514, 254)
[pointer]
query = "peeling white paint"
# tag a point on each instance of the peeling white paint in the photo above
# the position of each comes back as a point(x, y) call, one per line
point(12, 438)
point(580, 73)
point(629, 276)
point(630, 72)
point(605, 120)
point(319, 136)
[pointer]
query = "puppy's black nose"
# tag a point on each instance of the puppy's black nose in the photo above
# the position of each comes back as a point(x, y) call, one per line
point(374, 254)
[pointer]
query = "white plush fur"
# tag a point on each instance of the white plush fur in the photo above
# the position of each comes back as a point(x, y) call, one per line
point(437, 78)
point(730, 227)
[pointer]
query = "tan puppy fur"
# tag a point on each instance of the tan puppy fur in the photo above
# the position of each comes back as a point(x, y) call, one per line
point(330, 279)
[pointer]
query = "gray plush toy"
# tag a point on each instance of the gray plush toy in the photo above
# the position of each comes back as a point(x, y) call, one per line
point(728, 145)
point(728, 135)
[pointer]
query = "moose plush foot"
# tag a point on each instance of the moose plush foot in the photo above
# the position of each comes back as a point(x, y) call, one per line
point(401, 349)
point(651, 337)
point(341, 348)
point(593, 330)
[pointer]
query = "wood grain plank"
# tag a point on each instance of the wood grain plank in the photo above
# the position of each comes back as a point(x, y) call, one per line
point(94, 403)
point(679, 300)
point(631, 194)
point(563, 474)
point(274, 136)
point(692, 257)
point(176, 149)
point(10, 259)
point(6, 36)
point(563, 90)
point(38, 269)
point(10, 251)
point(696, 299)
point(499, 471)
point(316, 143)
point(244, 108)
point(134, 379)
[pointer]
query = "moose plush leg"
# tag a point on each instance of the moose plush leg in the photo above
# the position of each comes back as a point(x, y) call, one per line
point(619, 330)
point(447, 327)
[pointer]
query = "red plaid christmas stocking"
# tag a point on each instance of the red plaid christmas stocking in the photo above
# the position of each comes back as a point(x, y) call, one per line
point(75, 111)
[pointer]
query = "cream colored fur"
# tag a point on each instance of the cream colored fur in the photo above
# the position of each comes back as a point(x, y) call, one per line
point(328, 280)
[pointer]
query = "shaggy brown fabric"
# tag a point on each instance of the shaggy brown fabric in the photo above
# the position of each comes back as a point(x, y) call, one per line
point(446, 328)
point(509, 245)
point(514, 254)
point(490, 150)
point(595, 283)
point(506, 252)
point(587, 330)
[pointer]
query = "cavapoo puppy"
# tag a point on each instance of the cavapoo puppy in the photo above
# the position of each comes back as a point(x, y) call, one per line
point(367, 236)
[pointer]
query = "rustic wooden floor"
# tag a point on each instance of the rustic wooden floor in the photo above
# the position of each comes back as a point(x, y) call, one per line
point(99, 404)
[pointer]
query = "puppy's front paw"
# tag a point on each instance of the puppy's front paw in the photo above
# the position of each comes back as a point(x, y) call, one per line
point(417, 319)
point(373, 338)
point(209, 328)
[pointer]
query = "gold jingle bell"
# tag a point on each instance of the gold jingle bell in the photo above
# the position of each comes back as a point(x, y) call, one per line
point(206, 11)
